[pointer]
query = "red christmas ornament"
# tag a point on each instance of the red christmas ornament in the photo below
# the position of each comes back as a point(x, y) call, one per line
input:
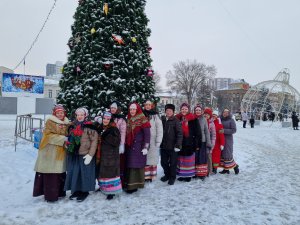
point(150, 73)
point(107, 66)
point(149, 49)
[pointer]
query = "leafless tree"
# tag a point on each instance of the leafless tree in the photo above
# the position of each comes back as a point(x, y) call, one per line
point(189, 77)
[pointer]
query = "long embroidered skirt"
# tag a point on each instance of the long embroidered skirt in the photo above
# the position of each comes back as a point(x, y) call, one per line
point(80, 177)
point(201, 161)
point(51, 185)
point(122, 168)
point(227, 164)
point(216, 157)
point(150, 172)
point(186, 166)
point(110, 186)
point(135, 178)
point(227, 161)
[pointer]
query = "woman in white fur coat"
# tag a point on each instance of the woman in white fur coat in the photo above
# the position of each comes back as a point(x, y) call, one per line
point(156, 132)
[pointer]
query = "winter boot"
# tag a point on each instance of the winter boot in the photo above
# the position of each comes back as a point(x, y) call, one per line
point(164, 178)
point(171, 182)
point(225, 172)
point(110, 197)
point(236, 169)
point(187, 179)
point(75, 195)
point(180, 179)
point(202, 178)
point(82, 196)
point(214, 170)
point(131, 191)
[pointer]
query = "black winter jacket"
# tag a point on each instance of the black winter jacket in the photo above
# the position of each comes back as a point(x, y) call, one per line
point(172, 137)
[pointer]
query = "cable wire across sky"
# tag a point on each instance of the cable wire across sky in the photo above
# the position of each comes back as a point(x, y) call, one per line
point(37, 36)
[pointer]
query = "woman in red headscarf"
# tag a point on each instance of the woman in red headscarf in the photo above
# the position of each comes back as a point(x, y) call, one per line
point(190, 143)
point(50, 166)
point(137, 146)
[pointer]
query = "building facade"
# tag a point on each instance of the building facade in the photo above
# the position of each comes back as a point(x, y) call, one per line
point(54, 69)
point(232, 97)
point(51, 88)
point(220, 83)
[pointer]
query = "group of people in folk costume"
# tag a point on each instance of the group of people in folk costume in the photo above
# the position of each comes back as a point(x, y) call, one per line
point(122, 153)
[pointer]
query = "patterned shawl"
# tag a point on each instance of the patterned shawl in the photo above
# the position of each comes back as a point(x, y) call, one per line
point(135, 124)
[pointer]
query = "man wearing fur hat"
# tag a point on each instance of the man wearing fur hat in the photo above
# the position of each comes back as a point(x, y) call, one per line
point(171, 144)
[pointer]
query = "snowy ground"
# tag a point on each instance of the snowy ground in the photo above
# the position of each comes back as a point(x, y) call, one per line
point(267, 190)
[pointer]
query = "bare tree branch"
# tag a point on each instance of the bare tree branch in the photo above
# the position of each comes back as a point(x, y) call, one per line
point(189, 78)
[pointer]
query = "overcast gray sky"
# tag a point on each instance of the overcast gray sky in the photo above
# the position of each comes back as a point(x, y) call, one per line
point(250, 39)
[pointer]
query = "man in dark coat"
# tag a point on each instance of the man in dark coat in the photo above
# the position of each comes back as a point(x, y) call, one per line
point(171, 144)
point(295, 120)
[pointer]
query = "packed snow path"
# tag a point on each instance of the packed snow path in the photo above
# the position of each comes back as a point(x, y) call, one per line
point(267, 190)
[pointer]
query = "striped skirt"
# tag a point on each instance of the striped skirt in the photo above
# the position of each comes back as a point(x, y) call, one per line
point(201, 159)
point(186, 166)
point(150, 172)
point(110, 186)
point(227, 164)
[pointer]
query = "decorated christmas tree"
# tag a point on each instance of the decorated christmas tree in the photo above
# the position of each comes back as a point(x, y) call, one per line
point(109, 58)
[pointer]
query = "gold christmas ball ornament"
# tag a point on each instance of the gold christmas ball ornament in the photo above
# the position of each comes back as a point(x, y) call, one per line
point(133, 39)
point(93, 30)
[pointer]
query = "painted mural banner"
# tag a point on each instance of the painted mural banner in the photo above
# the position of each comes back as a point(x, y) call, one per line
point(22, 85)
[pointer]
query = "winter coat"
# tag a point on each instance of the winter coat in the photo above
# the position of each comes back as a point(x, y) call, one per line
point(295, 120)
point(244, 116)
point(121, 125)
point(110, 159)
point(89, 140)
point(191, 142)
point(134, 155)
point(172, 133)
point(205, 135)
point(220, 138)
point(229, 129)
point(212, 132)
point(47, 161)
point(156, 132)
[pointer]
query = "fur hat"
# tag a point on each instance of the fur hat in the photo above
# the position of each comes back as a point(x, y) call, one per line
point(170, 106)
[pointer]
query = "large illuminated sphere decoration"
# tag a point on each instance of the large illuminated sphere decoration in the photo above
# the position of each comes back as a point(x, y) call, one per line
point(273, 96)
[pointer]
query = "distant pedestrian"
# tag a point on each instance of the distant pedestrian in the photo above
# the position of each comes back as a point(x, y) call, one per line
point(295, 121)
point(252, 121)
point(244, 118)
